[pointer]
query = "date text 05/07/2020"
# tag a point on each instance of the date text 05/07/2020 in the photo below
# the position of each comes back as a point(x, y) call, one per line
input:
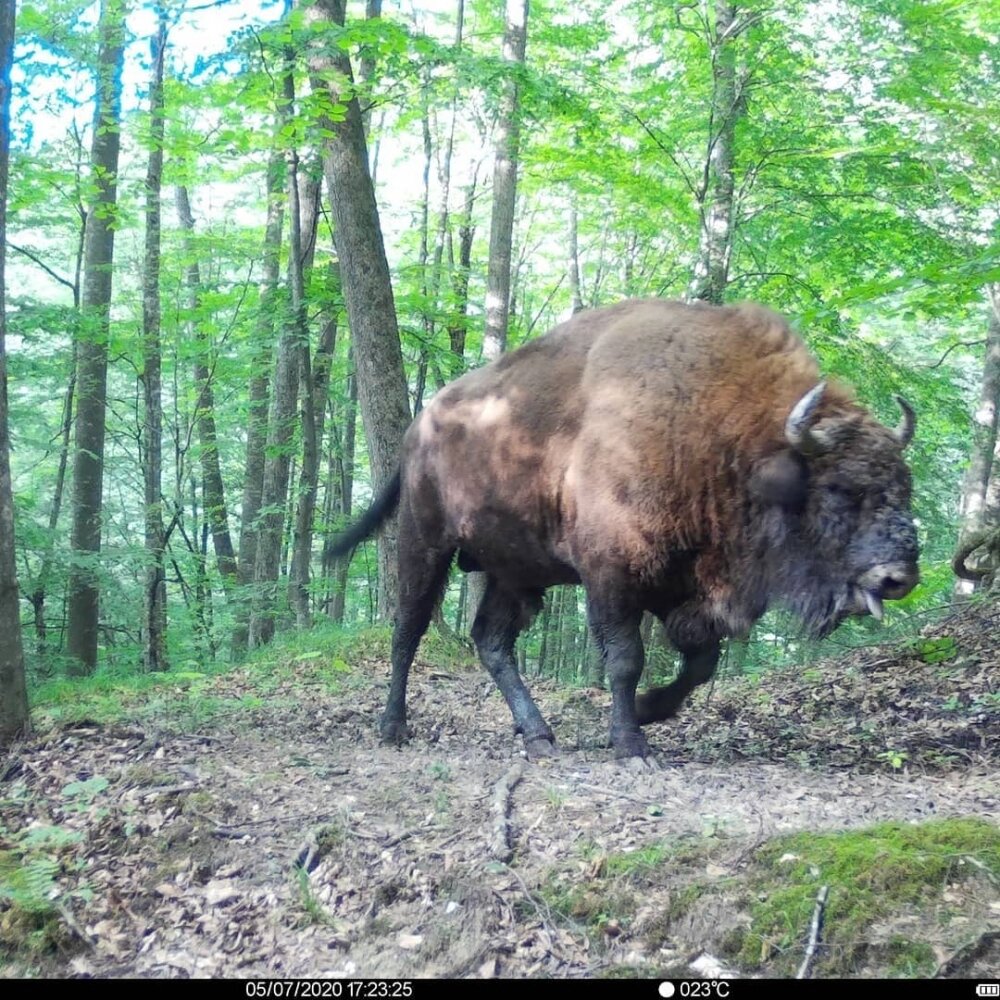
point(333, 989)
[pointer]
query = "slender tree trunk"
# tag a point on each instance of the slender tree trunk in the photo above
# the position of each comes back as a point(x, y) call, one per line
point(366, 70)
point(505, 186)
point(984, 465)
point(14, 719)
point(428, 307)
point(715, 202)
point(443, 215)
point(342, 564)
point(543, 647)
point(260, 377)
point(40, 589)
point(213, 491)
point(155, 605)
point(298, 590)
point(92, 348)
point(293, 359)
point(573, 264)
point(458, 325)
point(367, 287)
point(498, 274)
point(274, 496)
point(319, 391)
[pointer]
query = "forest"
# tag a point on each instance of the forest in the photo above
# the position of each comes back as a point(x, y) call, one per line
point(244, 242)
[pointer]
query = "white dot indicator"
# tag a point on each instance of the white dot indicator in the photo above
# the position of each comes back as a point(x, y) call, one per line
point(666, 989)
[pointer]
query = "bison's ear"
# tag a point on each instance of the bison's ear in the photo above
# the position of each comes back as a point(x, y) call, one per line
point(780, 480)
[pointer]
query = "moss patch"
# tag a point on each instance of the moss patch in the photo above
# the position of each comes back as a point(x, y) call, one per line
point(873, 875)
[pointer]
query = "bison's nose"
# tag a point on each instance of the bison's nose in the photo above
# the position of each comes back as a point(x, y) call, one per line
point(891, 581)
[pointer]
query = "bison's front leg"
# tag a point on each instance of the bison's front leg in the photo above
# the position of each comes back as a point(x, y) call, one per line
point(697, 667)
point(618, 637)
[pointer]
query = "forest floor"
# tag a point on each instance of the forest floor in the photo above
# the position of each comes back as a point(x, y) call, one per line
point(274, 836)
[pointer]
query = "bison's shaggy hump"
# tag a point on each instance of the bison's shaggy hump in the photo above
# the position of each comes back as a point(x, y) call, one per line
point(679, 459)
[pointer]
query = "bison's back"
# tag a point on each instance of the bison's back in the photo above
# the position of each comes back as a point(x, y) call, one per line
point(607, 435)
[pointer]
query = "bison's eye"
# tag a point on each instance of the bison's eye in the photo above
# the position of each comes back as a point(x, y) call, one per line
point(845, 492)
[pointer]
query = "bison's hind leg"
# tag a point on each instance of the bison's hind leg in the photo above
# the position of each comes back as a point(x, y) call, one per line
point(500, 618)
point(423, 573)
point(697, 667)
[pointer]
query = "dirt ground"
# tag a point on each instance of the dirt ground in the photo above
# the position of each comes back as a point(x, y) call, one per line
point(288, 842)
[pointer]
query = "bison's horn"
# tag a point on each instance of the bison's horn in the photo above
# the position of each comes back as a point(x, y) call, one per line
point(905, 428)
point(797, 429)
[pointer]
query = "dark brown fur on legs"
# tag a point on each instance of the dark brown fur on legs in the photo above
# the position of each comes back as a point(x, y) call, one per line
point(500, 618)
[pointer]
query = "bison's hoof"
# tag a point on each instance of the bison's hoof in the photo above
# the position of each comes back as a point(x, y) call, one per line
point(394, 733)
point(630, 745)
point(540, 748)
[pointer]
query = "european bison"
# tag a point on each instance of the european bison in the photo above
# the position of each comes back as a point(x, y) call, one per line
point(678, 459)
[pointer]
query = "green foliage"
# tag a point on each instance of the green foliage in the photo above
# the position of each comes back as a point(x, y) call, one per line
point(865, 187)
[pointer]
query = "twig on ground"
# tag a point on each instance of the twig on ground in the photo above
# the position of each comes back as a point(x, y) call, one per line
point(500, 837)
point(814, 931)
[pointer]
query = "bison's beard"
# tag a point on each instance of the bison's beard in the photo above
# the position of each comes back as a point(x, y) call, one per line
point(817, 591)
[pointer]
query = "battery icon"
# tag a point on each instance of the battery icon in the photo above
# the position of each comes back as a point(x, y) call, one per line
point(988, 989)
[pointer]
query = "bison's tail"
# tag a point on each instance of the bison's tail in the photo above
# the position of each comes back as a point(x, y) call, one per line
point(369, 522)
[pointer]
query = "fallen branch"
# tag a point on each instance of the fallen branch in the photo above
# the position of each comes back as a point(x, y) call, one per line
point(500, 838)
point(814, 931)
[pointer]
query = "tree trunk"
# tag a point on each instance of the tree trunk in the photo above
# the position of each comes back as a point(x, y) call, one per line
point(367, 288)
point(274, 496)
point(40, 589)
point(319, 391)
point(14, 719)
point(341, 565)
point(260, 377)
point(715, 193)
point(92, 348)
point(213, 491)
point(428, 308)
point(573, 264)
point(985, 440)
point(366, 67)
point(305, 508)
point(458, 324)
point(505, 186)
point(155, 591)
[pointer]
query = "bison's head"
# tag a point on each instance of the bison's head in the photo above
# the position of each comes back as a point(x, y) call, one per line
point(844, 490)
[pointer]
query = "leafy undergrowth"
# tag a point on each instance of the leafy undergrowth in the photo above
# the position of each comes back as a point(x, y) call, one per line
point(930, 703)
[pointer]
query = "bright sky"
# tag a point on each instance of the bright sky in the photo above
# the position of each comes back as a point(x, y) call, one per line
point(59, 94)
